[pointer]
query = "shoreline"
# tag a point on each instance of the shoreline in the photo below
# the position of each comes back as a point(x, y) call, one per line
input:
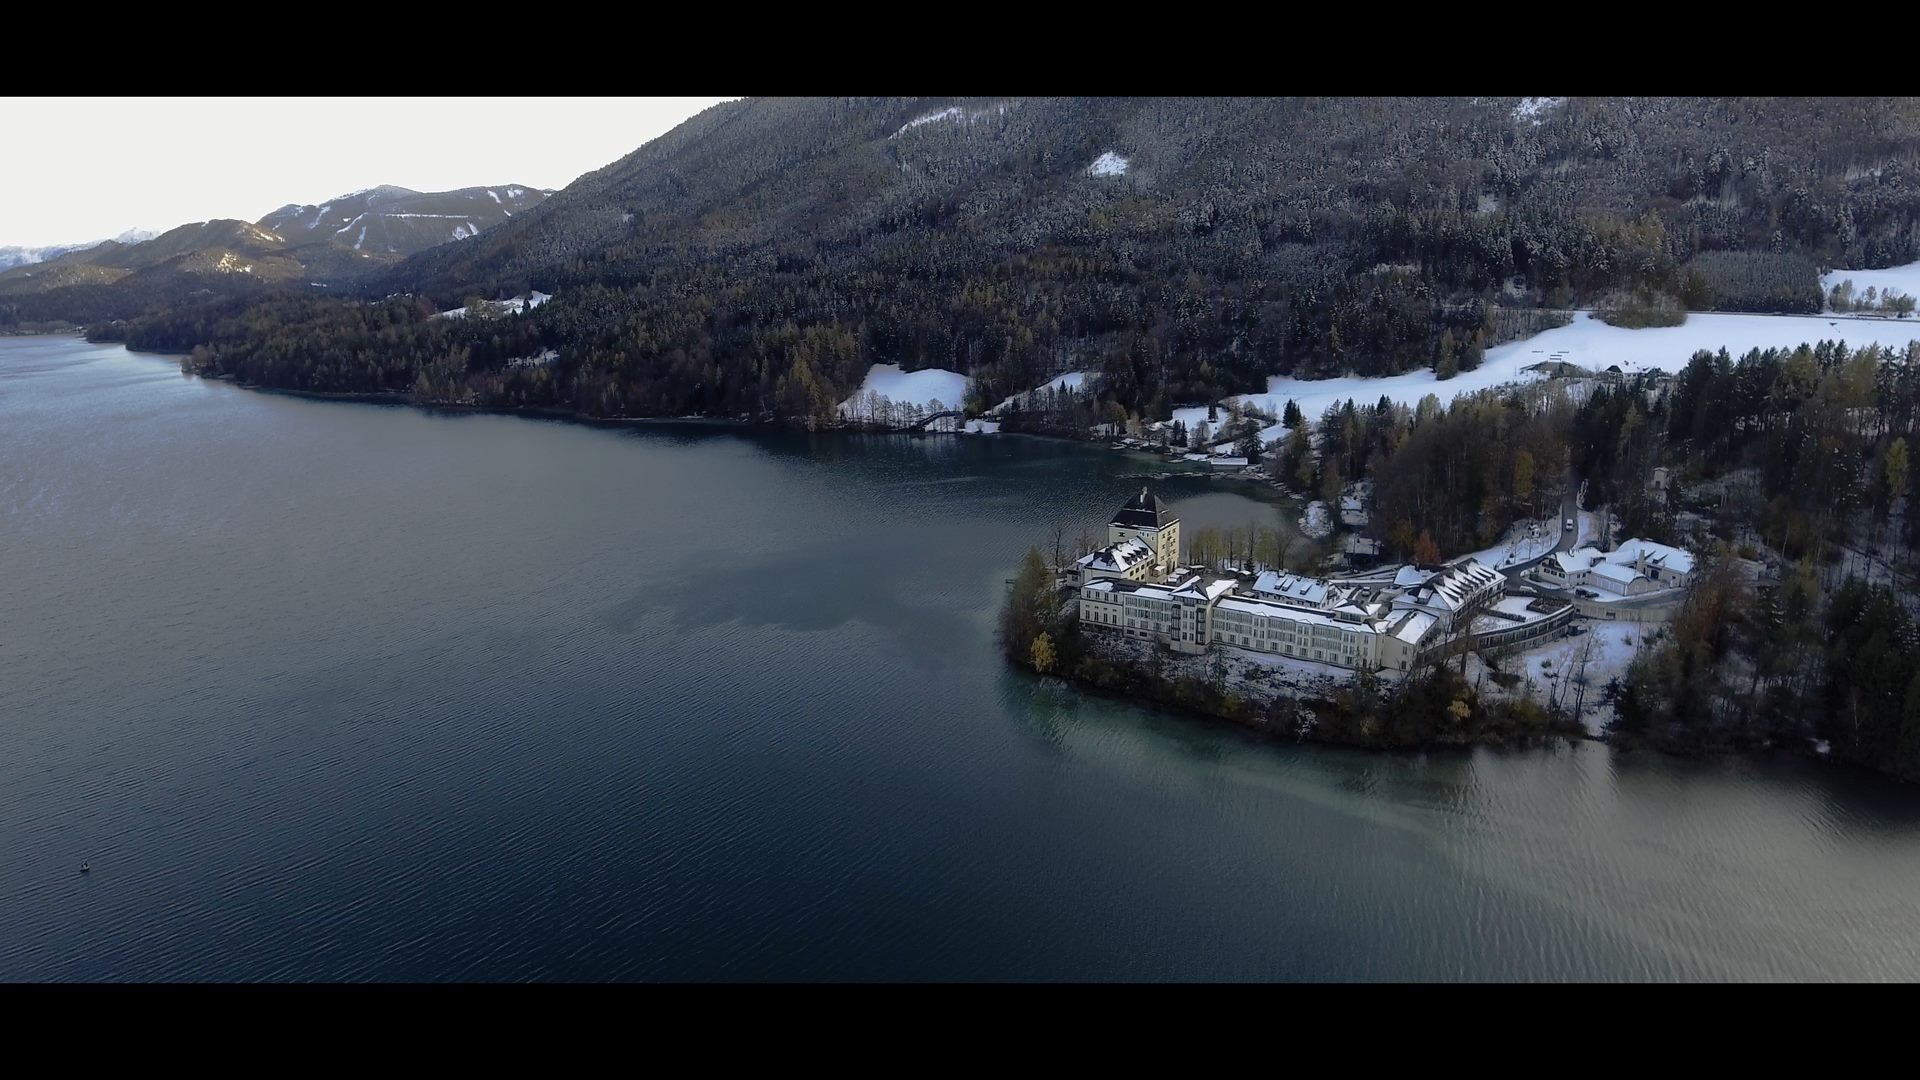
point(1160, 697)
point(547, 412)
point(1552, 738)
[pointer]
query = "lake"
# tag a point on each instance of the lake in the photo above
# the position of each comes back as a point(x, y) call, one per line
point(325, 691)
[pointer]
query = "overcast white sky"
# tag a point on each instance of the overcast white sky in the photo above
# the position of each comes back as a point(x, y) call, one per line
point(77, 169)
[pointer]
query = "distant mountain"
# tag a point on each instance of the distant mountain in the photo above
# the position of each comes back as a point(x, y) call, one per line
point(396, 221)
point(11, 257)
point(313, 246)
point(761, 258)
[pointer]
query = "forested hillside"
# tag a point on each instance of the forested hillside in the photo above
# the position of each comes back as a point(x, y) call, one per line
point(760, 257)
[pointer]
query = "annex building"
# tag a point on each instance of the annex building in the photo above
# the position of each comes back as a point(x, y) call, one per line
point(1635, 568)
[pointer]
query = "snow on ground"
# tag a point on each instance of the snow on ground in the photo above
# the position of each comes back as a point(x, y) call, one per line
point(1108, 164)
point(1525, 540)
point(947, 113)
point(511, 307)
point(1905, 279)
point(1530, 108)
point(1591, 525)
point(492, 196)
point(1586, 342)
point(546, 356)
point(954, 425)
point(1317, 522)
point(1072, 380)
point(920, 388)
point(1550, 670)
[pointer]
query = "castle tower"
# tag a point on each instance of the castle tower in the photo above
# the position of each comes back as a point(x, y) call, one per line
point(1147, 519)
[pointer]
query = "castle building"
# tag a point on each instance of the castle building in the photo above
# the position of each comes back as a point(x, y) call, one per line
point(1135, 588)
point(1147, 519)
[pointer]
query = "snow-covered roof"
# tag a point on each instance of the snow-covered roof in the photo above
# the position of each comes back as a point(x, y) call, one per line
point(1116, 558)
point(1414, 627)
point(1410, 576)
point(1302, 590)
point(1453, 589)
point(1202, 589)
point(1660, 555)
point(1146, 590)
point(1568, 562)
point(1620, 572)
point(1457, 585)
point(1267, 608)
point(1520, 607)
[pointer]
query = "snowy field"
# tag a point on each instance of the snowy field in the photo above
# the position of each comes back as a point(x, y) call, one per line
point(921, 388)
point(953, 425)
point(1550, 669)
point(1072, 380)
point(505, 307)
point(1586, 342)
point(1905, 279)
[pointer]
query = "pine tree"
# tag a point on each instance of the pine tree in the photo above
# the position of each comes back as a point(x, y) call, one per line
point(1447, 364)
point(1249, 447)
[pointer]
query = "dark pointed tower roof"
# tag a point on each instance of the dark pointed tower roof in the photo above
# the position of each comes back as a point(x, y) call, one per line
point(1144, 511)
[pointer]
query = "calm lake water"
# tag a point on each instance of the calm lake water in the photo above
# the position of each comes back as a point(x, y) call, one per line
point(328, 691)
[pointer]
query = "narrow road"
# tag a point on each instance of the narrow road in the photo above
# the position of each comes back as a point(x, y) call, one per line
point(1570, 514)
point(1569, 537)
